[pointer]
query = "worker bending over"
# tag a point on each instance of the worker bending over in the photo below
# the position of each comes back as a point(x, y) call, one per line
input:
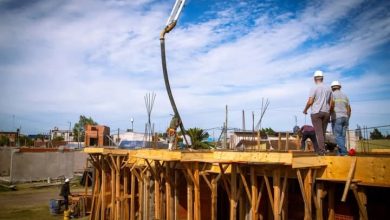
point(65, 192)
point(340, 114)
point(308, 132)
point(319, 101)
point(172, 134)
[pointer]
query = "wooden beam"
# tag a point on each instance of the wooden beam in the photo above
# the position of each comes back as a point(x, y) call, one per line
point(270, 196)
point(243, 179)
point(359, 199)
point(214, 197)
point(349, 179)
point(103, 190)
point(157, 204)
point(331, 212)
point(276, 186)
point(225, 182)
point(233, 185)
point(132, 201)
point(117, 189)
point(197, 210)
point(206, 180)
point(308, 191)
point(260, 195)
point(319, 206)
point(300, 181)
point(190, 199)
point(168, 192)
point(283, 194)
point(254, 185)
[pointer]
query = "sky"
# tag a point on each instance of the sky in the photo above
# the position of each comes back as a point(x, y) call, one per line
point(60, 59)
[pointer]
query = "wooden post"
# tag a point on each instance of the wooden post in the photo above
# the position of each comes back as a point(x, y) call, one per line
point(176, 194)
point(103, 191)
point(157, 205)
point(331, 213)
point(287, 140)
point(190, 199)
point(349, 179)
point(147, 195)
point(117, 188)
point(125, 192)
point(112, 211)
point(361, 200)
point(320, 194)
point(233, 191)
point(279, 141)
point(168, 191)
point(132, 201)
point(140, 197)
point(276, 185)
point(254, 188)
point(214, 197)
point(197, 192)
point(308, 184)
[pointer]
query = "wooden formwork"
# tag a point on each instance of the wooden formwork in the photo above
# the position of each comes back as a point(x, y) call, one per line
point(162, 184)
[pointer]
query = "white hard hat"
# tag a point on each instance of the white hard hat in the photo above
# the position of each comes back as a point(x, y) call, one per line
point(318, 73)
point(335, 83)
point(66, 180)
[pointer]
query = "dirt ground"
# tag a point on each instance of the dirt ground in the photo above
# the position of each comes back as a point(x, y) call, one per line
point(30, 203)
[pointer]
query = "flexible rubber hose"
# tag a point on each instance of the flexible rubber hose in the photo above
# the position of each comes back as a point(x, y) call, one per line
point(168, 87)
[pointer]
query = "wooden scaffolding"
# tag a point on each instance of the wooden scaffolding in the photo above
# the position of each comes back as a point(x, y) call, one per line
point(162, 184)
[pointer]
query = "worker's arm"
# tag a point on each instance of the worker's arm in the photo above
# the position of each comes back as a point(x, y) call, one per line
point(308, 104)
point(331, 104)
point(349, 111)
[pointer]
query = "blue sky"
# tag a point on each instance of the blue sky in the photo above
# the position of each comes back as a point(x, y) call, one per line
point(63, 58)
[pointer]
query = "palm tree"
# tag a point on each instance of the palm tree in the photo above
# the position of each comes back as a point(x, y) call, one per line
point(198, 137)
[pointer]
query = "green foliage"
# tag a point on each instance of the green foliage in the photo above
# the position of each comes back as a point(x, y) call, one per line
point(79, 127)
point(197, 138)
point(4, 140)
point(376, 134)
point(58, 138)
point(268, 131)
point(25, 141)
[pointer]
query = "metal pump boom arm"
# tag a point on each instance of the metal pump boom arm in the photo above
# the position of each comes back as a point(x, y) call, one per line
point(176, 10)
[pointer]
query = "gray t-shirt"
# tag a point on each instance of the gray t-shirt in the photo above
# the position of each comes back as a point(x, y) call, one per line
point(321, 95)
point(341, 102)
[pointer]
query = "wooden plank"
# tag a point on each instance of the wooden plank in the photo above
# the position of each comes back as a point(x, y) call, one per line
point(349, 178)
point(168, 192)
point(140, 194)
point(103, 190)
point(190, 199)
point(225, 182)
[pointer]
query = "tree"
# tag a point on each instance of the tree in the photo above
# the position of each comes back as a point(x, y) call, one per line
point(58, 138)
point(268, 131)
point(4, 140)
point(198, 137)
point(376, 134)
point(79, 127)
point(25, 141)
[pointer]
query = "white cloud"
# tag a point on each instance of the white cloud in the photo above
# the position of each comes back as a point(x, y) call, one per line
point(100, 58)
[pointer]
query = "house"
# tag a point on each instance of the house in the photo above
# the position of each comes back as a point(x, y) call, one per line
point(67, 135)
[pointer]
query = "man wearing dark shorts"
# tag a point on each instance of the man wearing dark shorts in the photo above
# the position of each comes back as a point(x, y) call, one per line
point(319, 101)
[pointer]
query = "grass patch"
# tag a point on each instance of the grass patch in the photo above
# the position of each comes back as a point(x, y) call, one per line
point(29, 213)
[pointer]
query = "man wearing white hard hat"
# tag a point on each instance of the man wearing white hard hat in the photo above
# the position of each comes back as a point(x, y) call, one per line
point(319, 101)
point(340, 114)
point(65, 192)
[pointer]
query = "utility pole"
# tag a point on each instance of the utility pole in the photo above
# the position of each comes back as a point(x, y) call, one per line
point(118, 140)
point(132, 124)
point(243, 120)
point(226, 126)
point(70, 130)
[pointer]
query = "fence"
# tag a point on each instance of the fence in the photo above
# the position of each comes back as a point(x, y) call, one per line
point(369, 139)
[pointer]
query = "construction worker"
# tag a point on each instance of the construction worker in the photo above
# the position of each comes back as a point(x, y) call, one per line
point(308, 132)
point(319, 101)
point(340, 114)
point(65, 192)
point(172, 137)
